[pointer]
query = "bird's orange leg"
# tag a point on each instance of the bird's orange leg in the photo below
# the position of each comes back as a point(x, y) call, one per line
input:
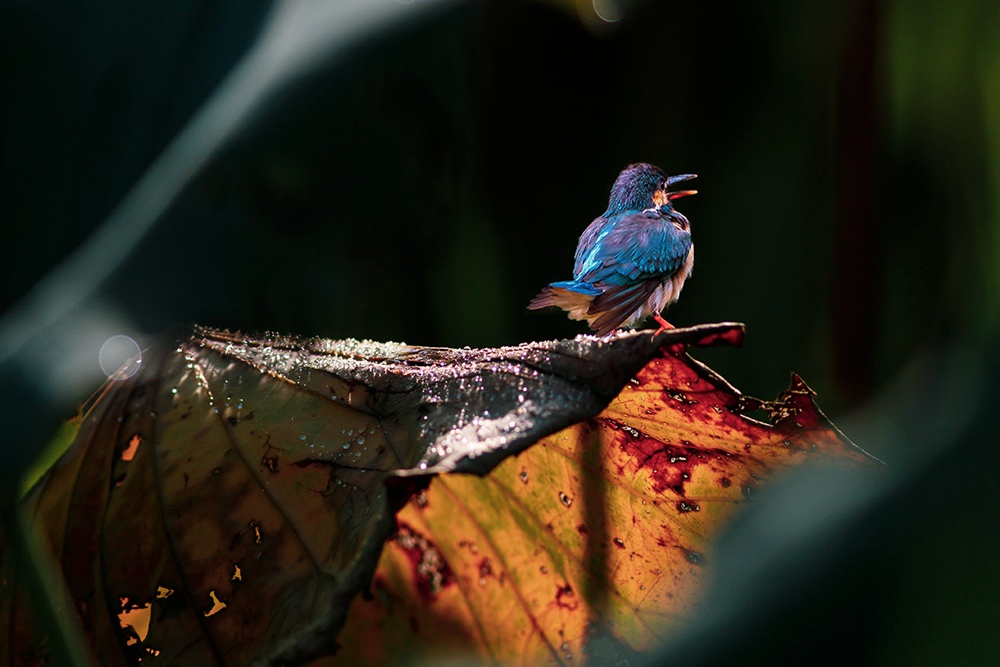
point(664, 325)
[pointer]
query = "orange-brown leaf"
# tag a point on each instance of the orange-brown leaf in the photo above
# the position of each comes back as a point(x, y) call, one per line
point(600, 535)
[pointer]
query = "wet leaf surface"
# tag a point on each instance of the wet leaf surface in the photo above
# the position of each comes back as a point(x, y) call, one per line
point(598, 539)
point(225, 504)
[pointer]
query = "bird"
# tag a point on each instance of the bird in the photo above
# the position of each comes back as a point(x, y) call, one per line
point(633, 260)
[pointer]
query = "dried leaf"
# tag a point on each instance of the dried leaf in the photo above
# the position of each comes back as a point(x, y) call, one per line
point(226, 503)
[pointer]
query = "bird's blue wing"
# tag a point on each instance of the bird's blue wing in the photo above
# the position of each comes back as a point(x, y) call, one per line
point(577, 286)
point(590, 242)
point(630, 249)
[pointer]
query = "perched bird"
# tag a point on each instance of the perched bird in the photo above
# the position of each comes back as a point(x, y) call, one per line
point(632, 261)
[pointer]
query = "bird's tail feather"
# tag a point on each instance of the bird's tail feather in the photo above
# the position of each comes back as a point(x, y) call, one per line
point(617, 305)
point(573, 297)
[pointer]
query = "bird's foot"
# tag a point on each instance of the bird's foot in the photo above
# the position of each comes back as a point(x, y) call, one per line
point(664, 325)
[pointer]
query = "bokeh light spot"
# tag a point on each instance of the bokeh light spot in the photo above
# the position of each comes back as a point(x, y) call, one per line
point(120, 357)
point(609, 10)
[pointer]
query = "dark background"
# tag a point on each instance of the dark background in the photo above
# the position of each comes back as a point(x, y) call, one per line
point(427, 185)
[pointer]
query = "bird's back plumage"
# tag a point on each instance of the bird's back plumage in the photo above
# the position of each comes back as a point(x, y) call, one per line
point(632, 261)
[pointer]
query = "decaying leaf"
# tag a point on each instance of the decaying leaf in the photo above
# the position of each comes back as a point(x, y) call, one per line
point(599, 535)
point(225, 504)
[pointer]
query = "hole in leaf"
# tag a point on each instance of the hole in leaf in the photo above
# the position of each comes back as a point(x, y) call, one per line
point(129, 452)
point(135, 616)
point(217, 604)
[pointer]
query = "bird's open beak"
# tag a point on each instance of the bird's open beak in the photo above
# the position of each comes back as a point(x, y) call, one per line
point(680, 193)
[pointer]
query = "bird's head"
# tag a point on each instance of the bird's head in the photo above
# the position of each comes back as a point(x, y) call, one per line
point(642, 186)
